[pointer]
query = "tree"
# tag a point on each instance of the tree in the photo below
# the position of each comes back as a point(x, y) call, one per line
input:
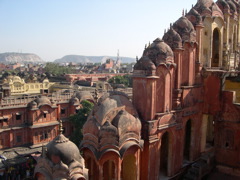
point(79, 120)
point(126, 80)
point(52, 68)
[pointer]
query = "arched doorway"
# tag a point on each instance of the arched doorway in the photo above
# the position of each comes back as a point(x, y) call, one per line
point(109, 170)
point(164, 154)
point(187, 143)
point(215, 48)
point(92, 169)
point(129, 169)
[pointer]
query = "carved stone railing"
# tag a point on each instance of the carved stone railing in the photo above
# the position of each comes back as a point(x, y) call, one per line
point(24, 100)
point(57, 97)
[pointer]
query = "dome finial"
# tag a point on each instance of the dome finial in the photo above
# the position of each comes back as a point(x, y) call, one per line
point(60, 127)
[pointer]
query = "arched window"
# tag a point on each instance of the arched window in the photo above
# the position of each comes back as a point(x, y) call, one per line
point(165, 155)
point(187, 144)
point(92, 168)
point(129, 162)
point(215, 48)
point(108, 170)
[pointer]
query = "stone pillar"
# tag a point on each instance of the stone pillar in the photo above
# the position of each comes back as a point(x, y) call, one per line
point(178, 60)
point(226, 48)
point(144, 87)
point(178, 54)
point(191, 58)
point(199, 41)
point(119, 169)
point(100, 172)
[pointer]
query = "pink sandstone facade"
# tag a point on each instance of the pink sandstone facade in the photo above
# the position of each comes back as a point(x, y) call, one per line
point(35, 120)
point(183, 118)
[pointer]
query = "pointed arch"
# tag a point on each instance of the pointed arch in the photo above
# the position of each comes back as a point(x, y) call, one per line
point(166, 155)
point(129, 162)
point(109, 170)
point(216, 40)
point(91, 164)
point(164, 89)
point(92, 167)
point(187, 140)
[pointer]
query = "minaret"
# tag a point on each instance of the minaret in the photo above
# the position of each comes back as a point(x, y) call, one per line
point(118, 55)
point(118, 60)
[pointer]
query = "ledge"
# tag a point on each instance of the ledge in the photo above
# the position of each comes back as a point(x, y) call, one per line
point(193, 86)
point(44, 124)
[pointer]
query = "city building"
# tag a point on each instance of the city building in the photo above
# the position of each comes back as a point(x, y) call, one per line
point(29, 122)
point(14, 85)
point(90, 78)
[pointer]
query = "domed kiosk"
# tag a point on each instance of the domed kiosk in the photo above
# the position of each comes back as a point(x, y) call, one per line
point(112, 138)
point(60, 159)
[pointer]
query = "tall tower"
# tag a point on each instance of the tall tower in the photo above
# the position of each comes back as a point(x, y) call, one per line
point(118, 62)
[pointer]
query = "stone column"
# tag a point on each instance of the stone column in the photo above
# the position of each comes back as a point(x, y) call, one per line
point(177, 89)
point(199, 53)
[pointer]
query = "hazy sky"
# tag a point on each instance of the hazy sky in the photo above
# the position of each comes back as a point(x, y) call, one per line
point(55, 28)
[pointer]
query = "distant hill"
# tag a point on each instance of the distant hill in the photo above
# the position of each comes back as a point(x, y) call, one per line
point(93, 59)
point(13, 57)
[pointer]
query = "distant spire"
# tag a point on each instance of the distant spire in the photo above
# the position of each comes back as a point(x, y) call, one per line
point(170, 25)
point(118, 55)
point(183, 12)
point(149, 44)
point(137, 58)
point(164, 31)
point(145, 46)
